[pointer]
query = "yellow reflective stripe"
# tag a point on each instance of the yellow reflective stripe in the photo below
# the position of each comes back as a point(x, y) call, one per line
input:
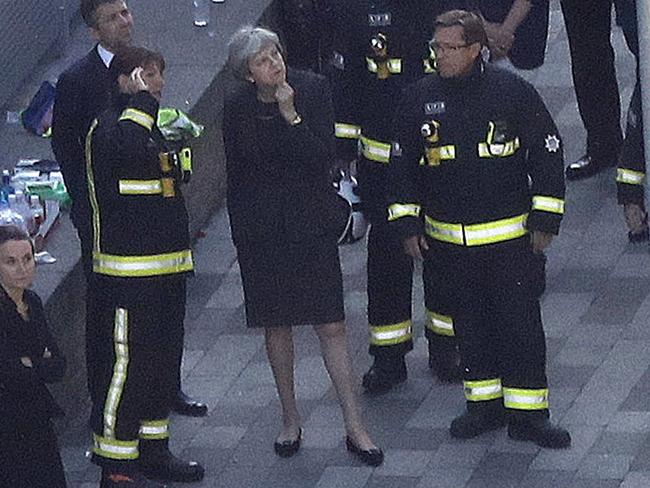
point(477, 234)
point(120, 370)
point(482, 390)
point(440, 324)
point(375, 150)
point(506, 149)
point(138, 266)
point(441, 231)
point(388, 335)
point(154, 429)
point(429, 65)
point(138, 116)
point(630, 177)
point(92, 192)
point(394, 65)
point(497, 231)
point(525, 399)
point(548, 204)
point(347, 131)
point(441, 153)
point(140, 187)
point(185, 157)
point(399, 210)
point(114, 449)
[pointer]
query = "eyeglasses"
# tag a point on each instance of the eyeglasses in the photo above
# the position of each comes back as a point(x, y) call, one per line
point(440, 47)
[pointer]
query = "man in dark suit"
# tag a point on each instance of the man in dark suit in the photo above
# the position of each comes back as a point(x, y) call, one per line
point(82, 93)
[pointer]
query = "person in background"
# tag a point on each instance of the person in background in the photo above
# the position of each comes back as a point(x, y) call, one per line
point(589, 29)
point(278, 135)
point(82, 93)
point(29, 358)
point(141, 259)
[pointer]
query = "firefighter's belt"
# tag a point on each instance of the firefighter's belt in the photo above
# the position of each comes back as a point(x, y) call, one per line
point(394, 65)
point(347, 131)
point(376, 151)
point(629, 176)
point(477, 234)
point(140, 266)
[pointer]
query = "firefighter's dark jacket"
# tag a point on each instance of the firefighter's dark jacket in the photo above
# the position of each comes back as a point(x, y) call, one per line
point(362, 37)
point(140, 224)
point(475, 150)
point(631, 171)
point(25, 401)
point(279, 188)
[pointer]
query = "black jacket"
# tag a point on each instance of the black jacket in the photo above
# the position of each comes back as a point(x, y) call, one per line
point(82, 93)
point(278, 175)
point(24, 399)
point(475, 150)
point(139, 218)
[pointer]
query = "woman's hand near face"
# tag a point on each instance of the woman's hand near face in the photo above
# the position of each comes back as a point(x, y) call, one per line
point(284, 95)
point(135, 83)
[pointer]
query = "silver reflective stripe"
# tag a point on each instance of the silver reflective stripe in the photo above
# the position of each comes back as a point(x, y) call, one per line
point(114, 449)
point(629, 176)
point(392, 334)
point(139, 117)
point(120, 368)
point(524, 399)
point(399, 210)
point(485, 390)
point(548, 204)
point(500, 230)
point(143, 265)
point(154, 428)
point(347, 131)
point(140, 187)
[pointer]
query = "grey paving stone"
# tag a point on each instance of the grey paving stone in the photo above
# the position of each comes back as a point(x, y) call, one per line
point(221, 437)
point(458, 455)
point(620, 443)
point(617, 375)
point(338, 477)
point(636, 479)
point(547, 479)
point(631, 422)
point(445, 478)
point(229, 355)
point(569, 376)
point(443, 403)
point(377, 481)
point(231, 294)
point(632, 265)
point(424, 439)
point(233, 415)
point(604, 466)
point(405, 462)
point(582, 438)
point(561, 311)
point(642, 460)
point(595, 334)
point(323, 437)
point(242, 476)
point(510, 466)
point(618, 302)
point(498, 482)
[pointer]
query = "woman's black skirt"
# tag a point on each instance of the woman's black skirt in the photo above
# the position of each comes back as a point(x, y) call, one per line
point(291, 284)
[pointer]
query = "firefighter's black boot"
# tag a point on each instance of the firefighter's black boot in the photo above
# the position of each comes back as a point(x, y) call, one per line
point(157, 462)
point(444, 359)
point(384, 374)
point(124, 474)
point(479, 418)
point(536, 427)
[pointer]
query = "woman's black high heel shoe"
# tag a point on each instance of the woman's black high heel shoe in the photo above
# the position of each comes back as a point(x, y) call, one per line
point(287, 449)
point(371, 457)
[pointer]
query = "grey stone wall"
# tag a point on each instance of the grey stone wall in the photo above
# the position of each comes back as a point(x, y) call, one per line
point(29, 29)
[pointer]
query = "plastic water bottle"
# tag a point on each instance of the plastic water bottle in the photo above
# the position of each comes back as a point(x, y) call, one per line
point(201, 12)
point(18, 203)
point(10, 217)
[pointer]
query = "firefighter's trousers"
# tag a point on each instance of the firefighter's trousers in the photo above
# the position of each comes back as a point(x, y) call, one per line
point(495, 293)
point(139, 339)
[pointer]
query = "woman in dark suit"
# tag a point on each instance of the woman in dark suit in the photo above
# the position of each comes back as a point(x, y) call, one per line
point(29, 358)
point(285, 220)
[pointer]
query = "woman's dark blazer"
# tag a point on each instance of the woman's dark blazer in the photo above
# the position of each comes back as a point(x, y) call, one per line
point(279, 187)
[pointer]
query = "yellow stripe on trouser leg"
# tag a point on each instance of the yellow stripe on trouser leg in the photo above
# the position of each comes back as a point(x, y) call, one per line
point(482, 390)
point(525, 398)
point(120, 369)
point(440, 324)
point(114, 449)
point(154, 429)
point(388, 335)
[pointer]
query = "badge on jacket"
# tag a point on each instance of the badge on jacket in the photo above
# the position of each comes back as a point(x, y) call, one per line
point(434, 108)
point(379, 20)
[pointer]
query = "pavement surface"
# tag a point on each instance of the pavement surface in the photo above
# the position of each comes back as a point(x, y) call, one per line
point(596, 312)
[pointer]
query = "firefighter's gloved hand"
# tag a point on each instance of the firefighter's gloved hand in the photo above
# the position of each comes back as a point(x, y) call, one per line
point(636, 218)
point(414, 245)
point(540, 241)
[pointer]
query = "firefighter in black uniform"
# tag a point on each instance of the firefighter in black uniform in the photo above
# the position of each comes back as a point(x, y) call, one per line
point(141, 257)
point(378, 47)
point(631, 172)
point(477, 187)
